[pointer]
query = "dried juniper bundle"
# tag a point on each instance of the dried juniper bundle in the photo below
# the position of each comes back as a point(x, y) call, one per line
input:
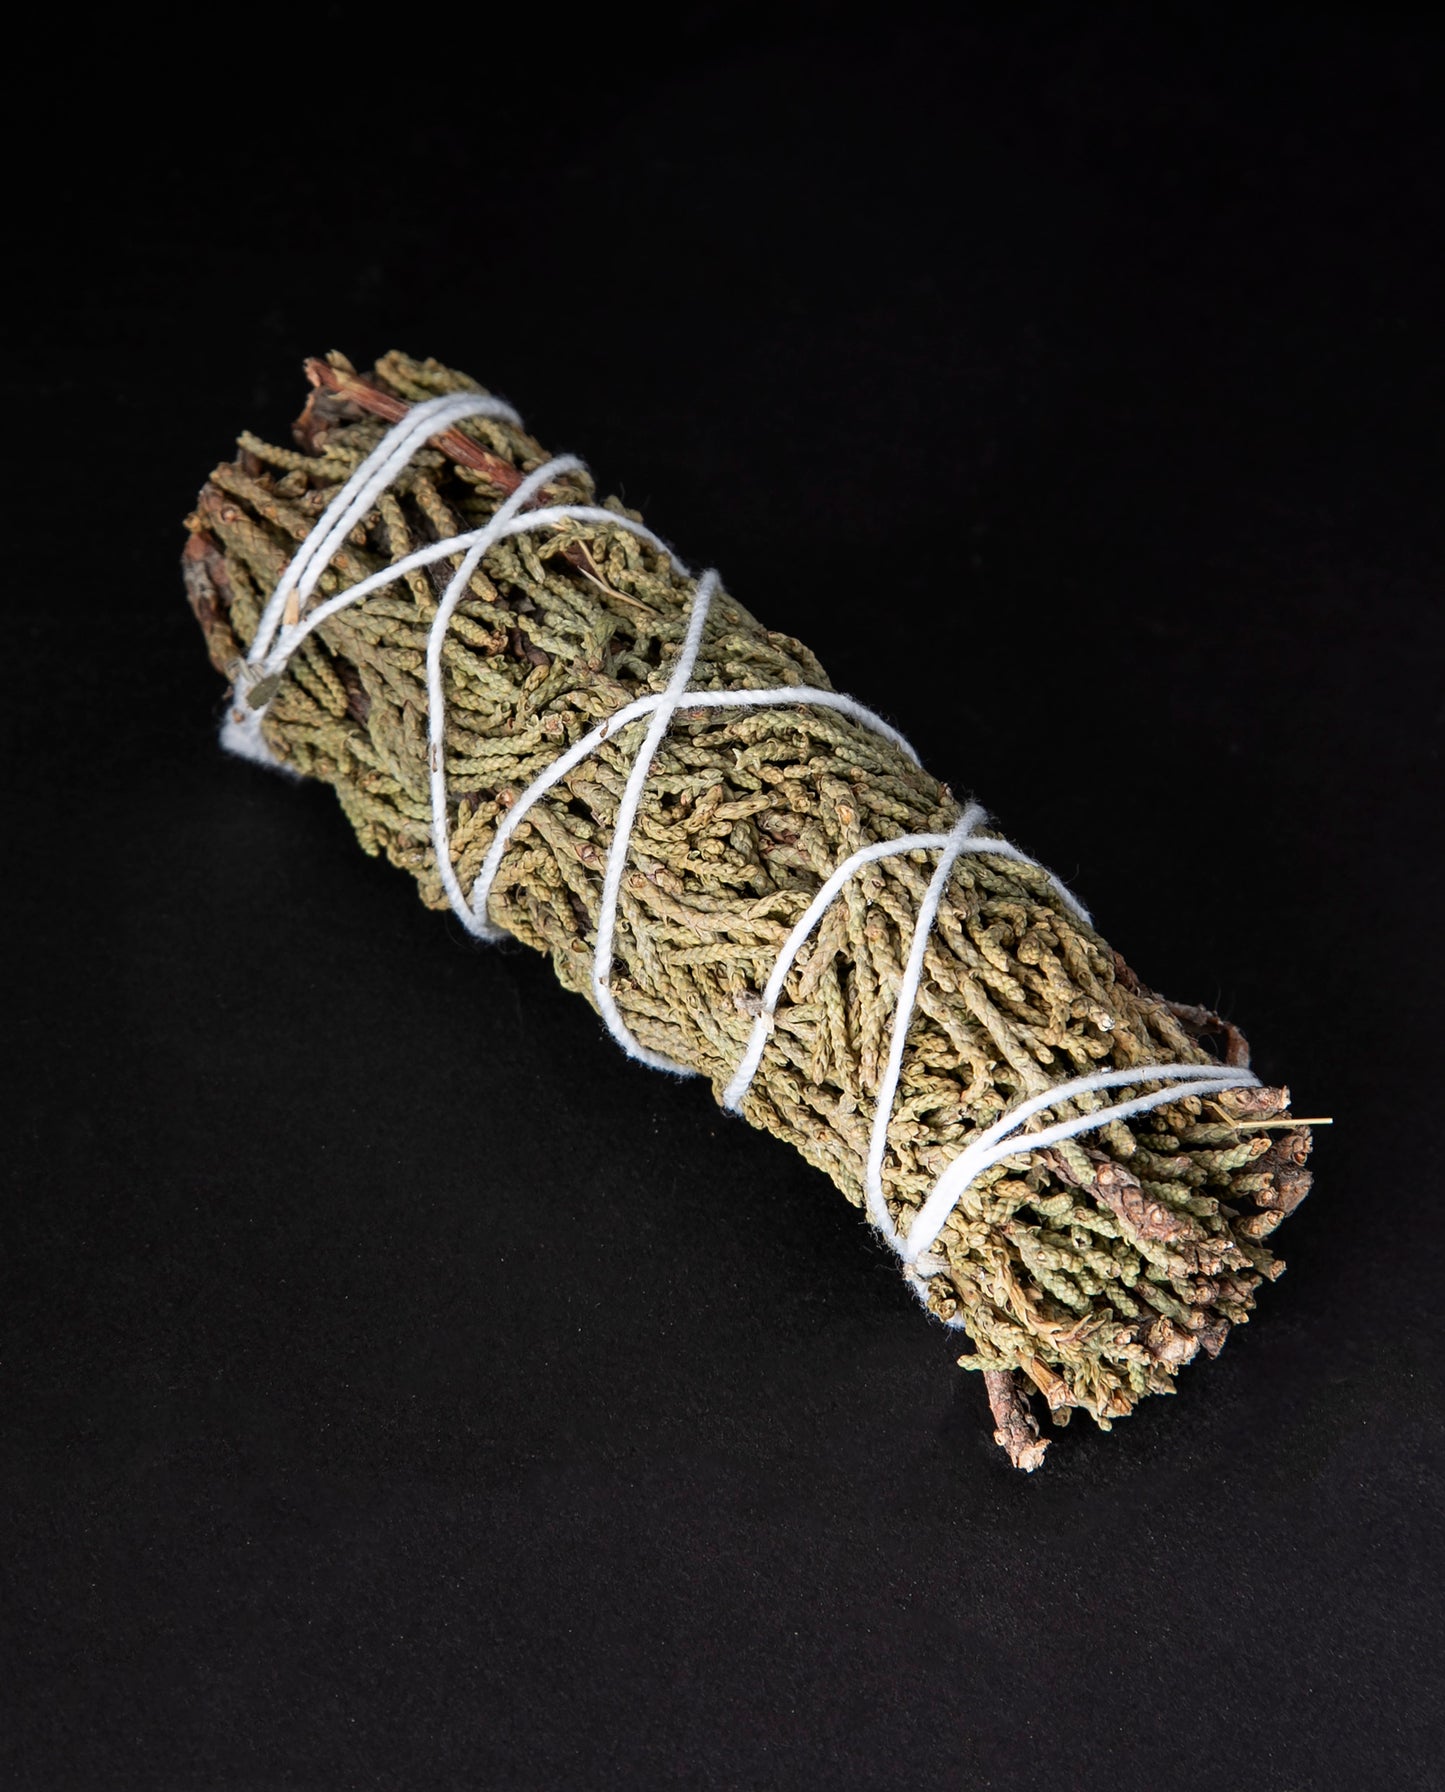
point(1089, 1269)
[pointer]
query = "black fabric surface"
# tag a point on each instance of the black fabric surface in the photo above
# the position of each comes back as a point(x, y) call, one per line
point(403, 1390)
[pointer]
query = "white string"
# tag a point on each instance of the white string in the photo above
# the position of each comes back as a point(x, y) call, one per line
point(274, 644)
point(622, 832)
point(380, 468)
point(783, 963)
point(436, 696)
point(535, 521)
point(241, 731)
point(776, 698)
point(954, 843)
point(1005, 1138)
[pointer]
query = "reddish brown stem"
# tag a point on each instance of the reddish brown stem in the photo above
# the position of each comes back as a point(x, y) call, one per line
point(1200, 1021)
point(376, 403)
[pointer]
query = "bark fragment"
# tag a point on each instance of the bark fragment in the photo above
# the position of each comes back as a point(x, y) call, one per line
point(1017, 1430)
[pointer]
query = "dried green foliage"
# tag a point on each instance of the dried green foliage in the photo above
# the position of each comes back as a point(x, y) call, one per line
point(1093, 1270)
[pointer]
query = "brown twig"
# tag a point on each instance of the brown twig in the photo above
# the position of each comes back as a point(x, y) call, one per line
point(352, 388)
point(1202, 1021)
point(369, 398)
point(1018, 1429)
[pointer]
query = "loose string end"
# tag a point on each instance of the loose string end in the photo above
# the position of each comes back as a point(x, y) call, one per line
point(240, 735)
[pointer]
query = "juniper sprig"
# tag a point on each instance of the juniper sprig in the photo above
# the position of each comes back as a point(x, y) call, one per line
point(1089, 1272)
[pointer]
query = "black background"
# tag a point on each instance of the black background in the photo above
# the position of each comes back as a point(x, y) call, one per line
point(403, 1390)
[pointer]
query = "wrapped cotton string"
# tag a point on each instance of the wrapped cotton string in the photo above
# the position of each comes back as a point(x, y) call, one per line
point(1005, 1139)
point(381, 468)
point(798, 938)
point(622, 830)
point(954, 843)
point(286, 623)
point(436, 696)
